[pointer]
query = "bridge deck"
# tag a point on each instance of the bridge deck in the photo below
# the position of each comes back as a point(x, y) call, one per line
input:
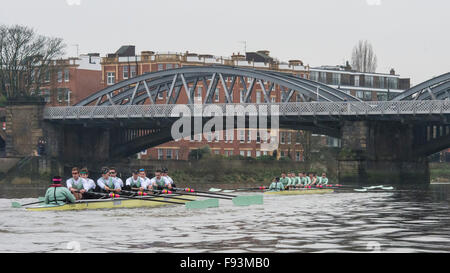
point(390, 110)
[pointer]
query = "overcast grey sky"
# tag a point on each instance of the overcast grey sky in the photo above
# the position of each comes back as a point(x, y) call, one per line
point(411, 36)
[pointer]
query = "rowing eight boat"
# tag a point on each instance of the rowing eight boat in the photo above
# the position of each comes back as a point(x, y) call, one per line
point(300, 191)
point(112, 203)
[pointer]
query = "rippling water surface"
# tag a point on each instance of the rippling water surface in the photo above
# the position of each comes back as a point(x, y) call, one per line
point(407, 220)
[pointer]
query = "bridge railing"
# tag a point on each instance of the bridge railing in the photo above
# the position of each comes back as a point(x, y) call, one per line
point(286, 109)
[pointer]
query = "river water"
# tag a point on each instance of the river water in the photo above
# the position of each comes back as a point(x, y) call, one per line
point(406, 220)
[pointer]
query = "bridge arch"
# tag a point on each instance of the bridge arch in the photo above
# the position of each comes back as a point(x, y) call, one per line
point(435, 88)
point(146, 87)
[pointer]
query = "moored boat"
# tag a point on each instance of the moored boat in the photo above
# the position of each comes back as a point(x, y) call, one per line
point(112, 203)
point(300, 191)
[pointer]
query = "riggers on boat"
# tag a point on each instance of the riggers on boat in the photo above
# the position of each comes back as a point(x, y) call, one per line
point(112, 203)
point(300, 191)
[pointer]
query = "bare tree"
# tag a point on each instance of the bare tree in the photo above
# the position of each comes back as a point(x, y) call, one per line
point(363, 57)
point(25, 58)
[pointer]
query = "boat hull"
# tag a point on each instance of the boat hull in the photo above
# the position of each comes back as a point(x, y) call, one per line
point(114, 203)
point(299, 192)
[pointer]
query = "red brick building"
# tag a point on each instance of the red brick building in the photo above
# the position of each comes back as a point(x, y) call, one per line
point(70, 80)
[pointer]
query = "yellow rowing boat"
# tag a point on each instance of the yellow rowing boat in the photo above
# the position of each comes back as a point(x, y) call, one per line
point(300, 191)
point(113, 203)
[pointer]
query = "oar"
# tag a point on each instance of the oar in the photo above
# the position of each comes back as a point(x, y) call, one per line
point(242, 200)
point(207, 192)
point(202, 204)
point(146, 194)
point(240, 189)
point(18, 205)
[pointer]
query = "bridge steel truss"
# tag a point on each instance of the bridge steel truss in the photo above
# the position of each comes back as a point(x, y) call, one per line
point(146, 88)
point(437, 88)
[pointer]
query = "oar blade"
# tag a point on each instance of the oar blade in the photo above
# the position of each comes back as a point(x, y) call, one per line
point(16, 205)
point(203, 204)
point(360, 190)
point(41, 198)
point(247, 200)
point(215, 189)
point(228, 191)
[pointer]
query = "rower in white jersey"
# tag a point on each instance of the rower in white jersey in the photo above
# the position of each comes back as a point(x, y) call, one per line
point(106, 183)
point(165, 173)
point(84, 173)
point(145, 180)
point(113, 174)
point(134, 182)
point(77, 185)
point(159, 182)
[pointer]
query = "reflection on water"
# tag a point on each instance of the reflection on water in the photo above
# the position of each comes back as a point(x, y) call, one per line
point(407, 220)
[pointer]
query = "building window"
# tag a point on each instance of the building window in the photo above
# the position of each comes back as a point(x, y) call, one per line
point(336, 79)
point(242, 153)
point(47, 76)
point(356, 80)
point(217, 152)
point(258, 153)
point(209, 136)
point(381, 96)
point(297, 156)
point(111, 78)
point(369, 81)
point(367, 95)
point(249, 136)
point(177, 154)
point(216, 95)
point(283, 138)
point(323, 77)
point(60, 75)
point(133, 71)
point(199, 91)
point(242, 136)
point(161, 95)
point(160, 67)
point(160, 154)
point(169, 66)
point(258, 97)
point(360, 94)
point(381, 79)
point(273, 99)
point(258, 137)
point(314, 76)
point(393, 83)
point(46, 94)
point(125, 72)
point(216, 136)
point(66, 75)
point(249, 153)
point(242, 98)
point(169, 154)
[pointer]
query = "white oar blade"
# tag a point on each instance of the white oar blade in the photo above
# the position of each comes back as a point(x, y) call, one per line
point(214, 189)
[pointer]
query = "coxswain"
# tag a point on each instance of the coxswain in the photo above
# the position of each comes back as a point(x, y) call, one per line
point(58, 194)
point(77, 185)
point(165, 173)
point(276, 185)
point(92, 187)
point(159, 182)
point(134, 182)
point(107, 183)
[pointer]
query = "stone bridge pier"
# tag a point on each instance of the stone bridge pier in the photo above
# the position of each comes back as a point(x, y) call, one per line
point(381, 152)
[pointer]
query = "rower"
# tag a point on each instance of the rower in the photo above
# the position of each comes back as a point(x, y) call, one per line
point(276, 185)
point(106, 183)
point(165, 173)
point(145, 180)
point(284, 180)
point(77, 185)
point(113, 175)
point(307, 179)
point(92, 187)
point(300, 180)
point(292, 180)
point(312, 179)
point(323, 180)
point(135, 181)
point(58, 194)
point(159, 182)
